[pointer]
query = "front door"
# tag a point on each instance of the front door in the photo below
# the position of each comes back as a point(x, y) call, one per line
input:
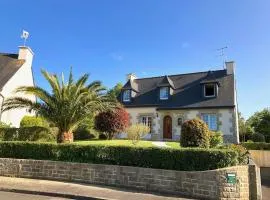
point(167, 127)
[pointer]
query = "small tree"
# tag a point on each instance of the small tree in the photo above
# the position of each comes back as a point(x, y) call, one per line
point(260, 122)
point(195, 133)
point(112, 122)
point(136, 131)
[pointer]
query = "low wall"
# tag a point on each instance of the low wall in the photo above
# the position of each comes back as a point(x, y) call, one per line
point(200, 184)
point(260, 157)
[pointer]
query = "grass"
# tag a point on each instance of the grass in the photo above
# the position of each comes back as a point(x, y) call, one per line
point(175, 145)
point(141, 143)
point(116, 143)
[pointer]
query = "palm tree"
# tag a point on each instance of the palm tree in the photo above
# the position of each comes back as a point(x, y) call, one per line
point(67, 105)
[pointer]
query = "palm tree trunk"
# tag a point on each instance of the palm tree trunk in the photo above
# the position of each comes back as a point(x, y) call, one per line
point(64, 137)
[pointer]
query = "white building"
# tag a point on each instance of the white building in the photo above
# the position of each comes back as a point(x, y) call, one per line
point(15, 71)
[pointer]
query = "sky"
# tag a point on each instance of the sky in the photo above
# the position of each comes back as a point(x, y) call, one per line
point(111, 38)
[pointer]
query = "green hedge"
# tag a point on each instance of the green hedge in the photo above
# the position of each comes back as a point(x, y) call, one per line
point(256, 145)
point(34, 133)
point(187, 159)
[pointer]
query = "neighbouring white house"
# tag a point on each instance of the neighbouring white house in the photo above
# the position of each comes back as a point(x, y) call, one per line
point(15, 71)
point(163, 103)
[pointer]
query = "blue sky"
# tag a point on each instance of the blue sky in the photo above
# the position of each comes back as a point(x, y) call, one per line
point(110, 38)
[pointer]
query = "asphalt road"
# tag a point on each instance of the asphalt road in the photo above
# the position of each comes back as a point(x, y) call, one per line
point(19, 196)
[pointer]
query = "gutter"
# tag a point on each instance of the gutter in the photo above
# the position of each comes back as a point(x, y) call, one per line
point(3, 98)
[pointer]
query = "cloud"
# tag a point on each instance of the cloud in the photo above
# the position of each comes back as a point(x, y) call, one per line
point(117, 56)
point(185, 45)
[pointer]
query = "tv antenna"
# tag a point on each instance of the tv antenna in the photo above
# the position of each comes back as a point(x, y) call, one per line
point(24, 36)
point(222, 54)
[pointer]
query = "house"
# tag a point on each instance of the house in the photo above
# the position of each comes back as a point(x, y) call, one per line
point(15, 71)
point(163, 103)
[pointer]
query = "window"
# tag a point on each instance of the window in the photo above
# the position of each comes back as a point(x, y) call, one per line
point(209, 90)
point(147, 121)
point(164, 93)
point(211, 121)
point(180, 121)
point(126, 95)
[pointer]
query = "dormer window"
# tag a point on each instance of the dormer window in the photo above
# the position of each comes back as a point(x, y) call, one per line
point(164, 93)
point(209, 90)
point(126, 95)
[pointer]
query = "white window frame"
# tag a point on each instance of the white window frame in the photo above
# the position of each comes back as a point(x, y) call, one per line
point(147, 122)
point(206, 117)
point(214, 90)
point(162, 90)
point(126, 95)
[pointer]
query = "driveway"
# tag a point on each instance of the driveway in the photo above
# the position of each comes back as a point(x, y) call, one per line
point(266, 189)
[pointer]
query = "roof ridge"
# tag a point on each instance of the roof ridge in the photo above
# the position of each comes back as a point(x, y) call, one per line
point(180, 74)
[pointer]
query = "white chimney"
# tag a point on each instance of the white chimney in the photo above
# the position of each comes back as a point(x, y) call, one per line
point(131, 77)
point(230, 67)
point(25, 53)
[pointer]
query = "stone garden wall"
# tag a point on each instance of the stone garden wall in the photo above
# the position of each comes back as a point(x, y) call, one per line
point(260, 157)
point(211, 184)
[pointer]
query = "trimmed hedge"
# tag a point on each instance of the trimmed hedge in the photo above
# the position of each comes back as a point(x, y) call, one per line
point(256, 145)
point(34, 133)
point(187, 159)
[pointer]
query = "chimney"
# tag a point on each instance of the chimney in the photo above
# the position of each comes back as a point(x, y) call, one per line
point(25, 53)
point(230, 67)
point(131, 77)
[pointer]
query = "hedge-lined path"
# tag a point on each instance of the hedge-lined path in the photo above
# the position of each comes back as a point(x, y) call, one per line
point(64, 190)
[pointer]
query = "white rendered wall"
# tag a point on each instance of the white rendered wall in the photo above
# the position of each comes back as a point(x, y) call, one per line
point(23, 77)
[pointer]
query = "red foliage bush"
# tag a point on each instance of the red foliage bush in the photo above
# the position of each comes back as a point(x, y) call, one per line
point(112, 122)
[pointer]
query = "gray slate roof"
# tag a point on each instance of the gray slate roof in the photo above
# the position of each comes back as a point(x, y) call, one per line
point(187, 92)
point(9, 65)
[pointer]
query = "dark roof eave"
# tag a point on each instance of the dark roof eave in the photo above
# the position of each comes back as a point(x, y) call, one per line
point(198, 107)
point(178, 108)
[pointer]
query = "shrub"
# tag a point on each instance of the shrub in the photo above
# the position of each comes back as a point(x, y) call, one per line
point(187, 159)
point(83, 133)
point(258, 137)
point(194, 133)
point(112, 122)
point(136, 131)
point(256, 145)
point(4, 125)
point(29, 121)
point(102, 136)
point(216, 139)
point(33, 133)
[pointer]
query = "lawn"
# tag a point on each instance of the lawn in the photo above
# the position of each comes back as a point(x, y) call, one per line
point(125, 143)
point(175, 145)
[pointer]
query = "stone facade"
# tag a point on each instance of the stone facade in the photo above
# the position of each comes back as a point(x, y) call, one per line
point(227, 121)
point(201, 184)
